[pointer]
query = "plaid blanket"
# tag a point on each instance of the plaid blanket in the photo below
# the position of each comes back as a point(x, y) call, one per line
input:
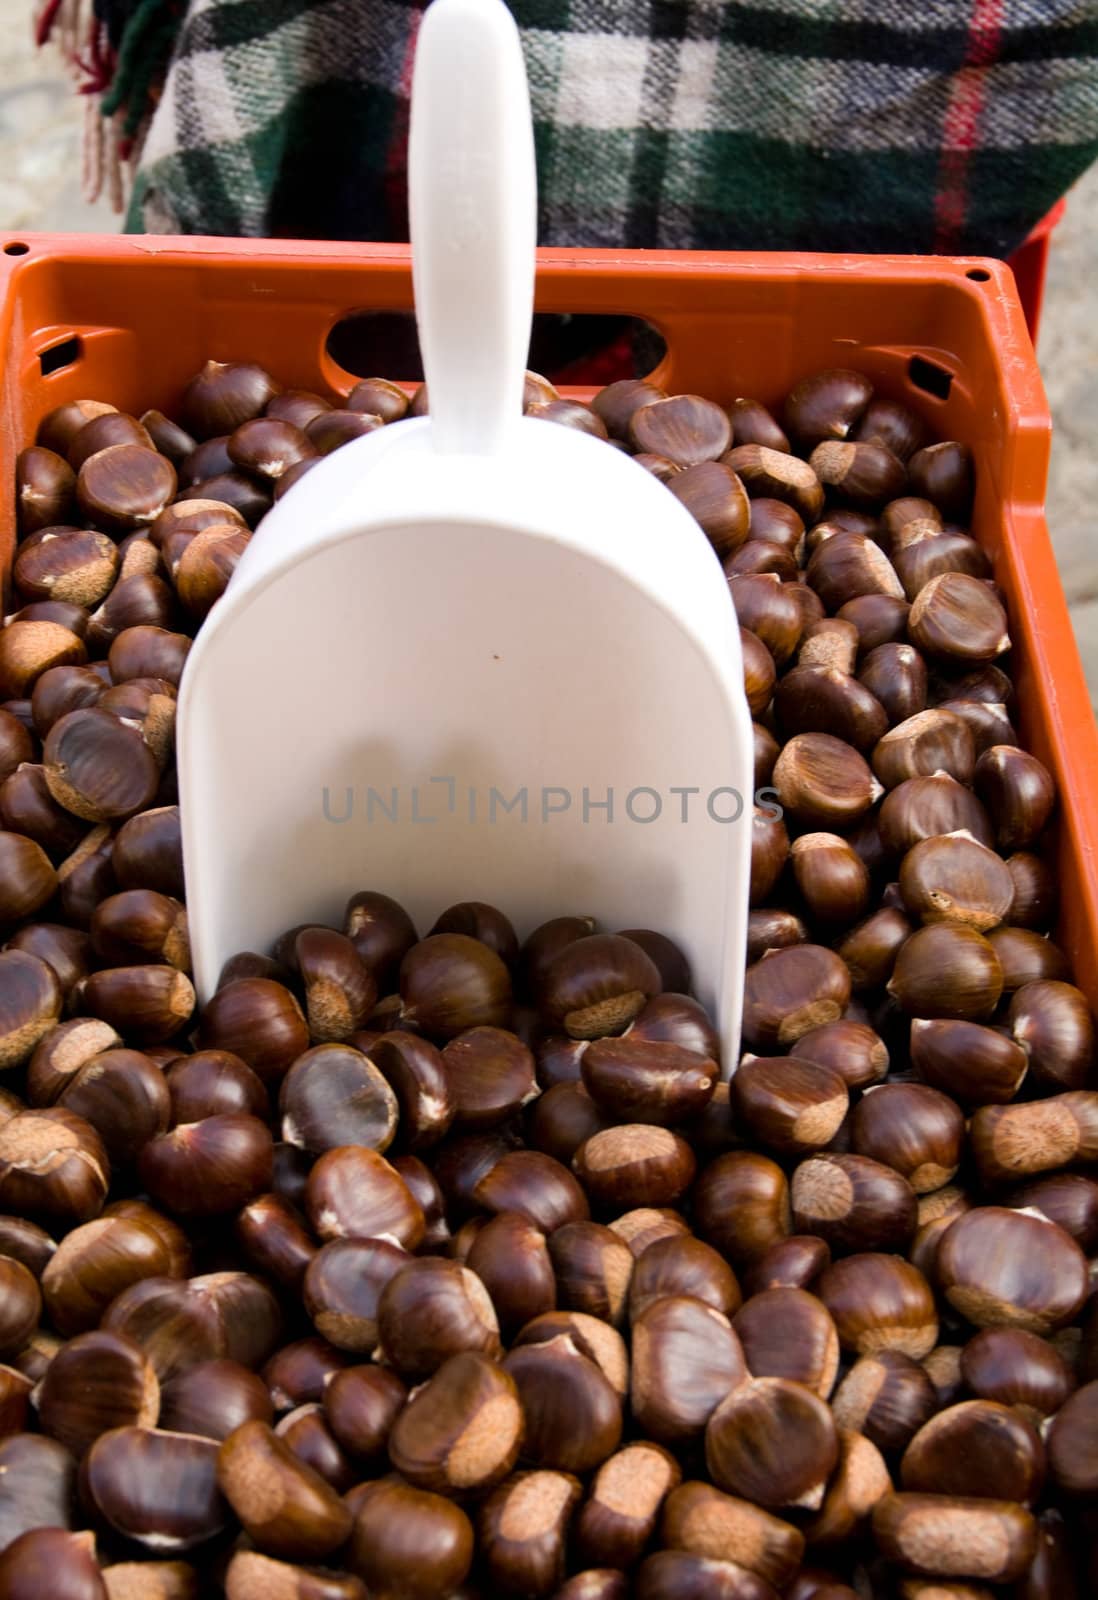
point(880, 125)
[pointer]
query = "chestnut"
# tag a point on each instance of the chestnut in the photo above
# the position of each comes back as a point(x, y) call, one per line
point(417, 1073)
point(676, 1019)
point(286, 1508)
point(777, 475)
point(950, 1536)
point(342, 1286)
point(52, 1164)
point(768, 609)
point(213, 1082)
point(923, 807)
point(832, 879)
point(823, 782)
point(858, 1482)
point(741, 1205)
point(334, 1095)
point(635, 1164)
point(789, 992)
point(433, 1309)
point(148, 1003)
point(361, 1405)
point(914, 1129)
point(573, 1414)
point(450, 982)
point(852, 1049)
point(686, 1358)
point(562, 1119)
point(853, 1202)
point(381, 931)
point(685, 428)
point(258, 1020)
point(978, 1445)
point(96, 1262)
point(673, 1267)
point(299, 1372)
point(30, 999)
point(947, 970)
point(410, 1542)
point(788, 1333)
point(620, 1514)
point(275, 1239)
point(1027, 957)
point(954, 878)
point(66, 950)
point(887, 1397)
point(1072, 1458)
point(1035, 898)
point(791, 1263)
point(179, 1324)
point(20, 1305)
point(460, 1432)
point(207, 1168)
point(973, 1064)
point(1017, 1369)
point(595, 1339)
point(225, 394)
point(705, 1522)
point(880, 1302)
point(772, 1441)
point(789, 1105)
point(154, 1488)
point(251, 1575)
point(681, 1575)
point(523, 1529)
point(28, 1244)
point(597, 985)
point(147, 852)
point(30, 648)
point(354, 1192)
point(512, 1258)
point(826, 405)
point(96, 1382)
point(1066, 1198)
point(635, 1078)
point(1002, 1268)
point(213, 1398)
point(717, 500)
point(490, 1073)
point(1052, 1023)
point(772, 929)
point(51, 1561)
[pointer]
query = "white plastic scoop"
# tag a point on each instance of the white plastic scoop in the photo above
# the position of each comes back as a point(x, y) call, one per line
point(475, 656)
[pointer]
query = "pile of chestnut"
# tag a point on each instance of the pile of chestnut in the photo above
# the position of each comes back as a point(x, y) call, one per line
point(433, 1263)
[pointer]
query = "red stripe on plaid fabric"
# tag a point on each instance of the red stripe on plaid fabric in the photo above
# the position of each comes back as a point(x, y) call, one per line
point(961, 124)
point(396, 162)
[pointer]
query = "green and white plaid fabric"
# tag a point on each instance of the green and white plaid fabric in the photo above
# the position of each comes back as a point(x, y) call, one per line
point(883, 125)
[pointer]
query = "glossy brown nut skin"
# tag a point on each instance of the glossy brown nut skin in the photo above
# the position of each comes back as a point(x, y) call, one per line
point(1072, 1457)
point(791, 1263)
point(361, 1405)
point(461, 1432)
point(853, 1202)
point(1066, 1198)
point(20, 1305)
point(334, 1095)
point(1053, 1024)
point(788, 1333)
point(147, 852)
point(30, 1001)
point(157, 1489)
point(573, 1414)
point(96, 1262)
point(208, 1168)
point(887, 1397)
point(741, 1205)
point(450, 982)
point(285, 1507)
point(96, 1382)
point(946, 970)
point(635, 1079)
point(978, 1446)
point(786, 1104)
point(122, 1094)
point(973, 1064)
point(298, 1373)
point(417, 1073)
point(28, 1244)
point(772, 1441)
point(490, 1073)
point(431, 1310)
point(410, 1542)
point(1002, 1268)
point(536, 1186)
point(355, 1193)
point(593, 1268)
point(880, 1302)
point(260, 1021)
point(382, 933)
point(251, 1575)
point(54, 1562)
point(52, 1165)
point(620, 1513)
point(342, 1286)
point(512, 1258)
point(789, 992)
point(148, 1004)
point(597, 985)
point(212, 1082)
point(672, 1267)
point(916, 1130)
point(213, 1398)
point(180, 1324)
point(635, 1164)
point(274, 1238)
point(686, 1359)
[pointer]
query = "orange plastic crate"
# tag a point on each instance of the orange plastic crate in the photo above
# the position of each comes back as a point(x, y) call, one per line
point(948, 336)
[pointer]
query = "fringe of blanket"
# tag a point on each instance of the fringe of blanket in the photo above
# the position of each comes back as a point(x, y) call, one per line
point(118, 59)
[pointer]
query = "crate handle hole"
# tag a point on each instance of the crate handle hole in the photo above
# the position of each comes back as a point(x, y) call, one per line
point(16, 248)
point(930, 377)
point(978, 274)
point(64, 354)
point(567, 349)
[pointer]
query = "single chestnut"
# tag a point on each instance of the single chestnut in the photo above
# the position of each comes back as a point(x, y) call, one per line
point(258, 1020)
point(772, 1441)
point(950, 1536)
point(1008, 1269)
point(620, 1514)
point(157, 1489)
point(573, 1414)
point(410, 1542)
point(523, 1530)
point(880, 1302)
point(887, 1397)
point(634, 1164)
point(285, 1507)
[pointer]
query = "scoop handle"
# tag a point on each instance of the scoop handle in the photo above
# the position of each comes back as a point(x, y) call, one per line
point(473, 215)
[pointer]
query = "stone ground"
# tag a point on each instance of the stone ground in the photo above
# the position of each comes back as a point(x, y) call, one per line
point(40, 123)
